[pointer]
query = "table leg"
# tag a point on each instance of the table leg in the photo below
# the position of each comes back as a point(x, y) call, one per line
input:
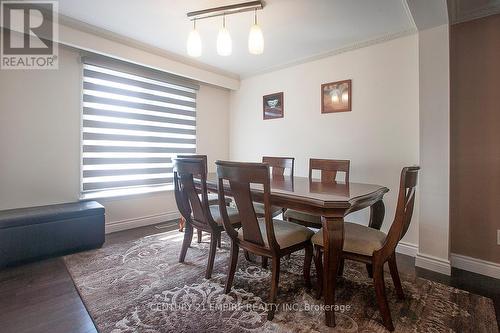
point(333, 241)
point(377, 213)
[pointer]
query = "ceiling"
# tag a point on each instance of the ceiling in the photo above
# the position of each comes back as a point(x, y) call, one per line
point(294, 30)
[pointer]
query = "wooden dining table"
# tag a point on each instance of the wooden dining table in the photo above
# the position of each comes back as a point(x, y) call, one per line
point(331, 201)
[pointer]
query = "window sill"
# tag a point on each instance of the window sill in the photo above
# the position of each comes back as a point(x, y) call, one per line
point(121, 193)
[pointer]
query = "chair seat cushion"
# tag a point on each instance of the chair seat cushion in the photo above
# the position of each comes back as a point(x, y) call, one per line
point(259, 209)
point(213, 199)
point(231, 212)
point(287, 234)
point(296, 215)
point(358, 239)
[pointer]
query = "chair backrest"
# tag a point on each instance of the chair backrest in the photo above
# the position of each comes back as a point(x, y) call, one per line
point(329, 169)
point(203, 157)
point(404, 208)
point(240, 176)
point(186, 193)
point(280, 164)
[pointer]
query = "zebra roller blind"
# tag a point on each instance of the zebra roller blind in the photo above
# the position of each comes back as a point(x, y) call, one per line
point(132, 126)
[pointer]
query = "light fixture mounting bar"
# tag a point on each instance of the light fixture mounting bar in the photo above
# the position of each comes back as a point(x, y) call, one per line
point(226, 10)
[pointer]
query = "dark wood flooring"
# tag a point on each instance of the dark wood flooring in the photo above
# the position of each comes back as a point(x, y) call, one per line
point(40, 296)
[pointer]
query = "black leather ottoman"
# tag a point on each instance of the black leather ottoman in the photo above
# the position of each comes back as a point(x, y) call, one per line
point(36, 232)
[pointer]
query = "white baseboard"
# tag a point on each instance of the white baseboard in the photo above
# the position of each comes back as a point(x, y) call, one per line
point(140, 221)
point(474, 265)
point(409, 249)
point(433, 263)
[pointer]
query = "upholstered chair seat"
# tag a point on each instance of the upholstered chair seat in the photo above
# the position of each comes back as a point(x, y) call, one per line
point(259, 209)
point(358, 239)
point(213, 199)
point(287, 234)
point(231, 212)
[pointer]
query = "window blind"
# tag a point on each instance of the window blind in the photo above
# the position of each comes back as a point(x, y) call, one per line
point(132, 127)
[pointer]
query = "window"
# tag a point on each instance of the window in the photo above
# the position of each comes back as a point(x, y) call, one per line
point(134, 120)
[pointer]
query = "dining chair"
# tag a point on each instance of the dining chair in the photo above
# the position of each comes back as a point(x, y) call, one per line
point(329, 170)
point(262, 236)
point(373, 247)
point(213, 198)
point(278, 166)
point(195, 208)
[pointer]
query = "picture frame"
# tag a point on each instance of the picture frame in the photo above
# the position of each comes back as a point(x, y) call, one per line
point(336, 96)
point(272, 106)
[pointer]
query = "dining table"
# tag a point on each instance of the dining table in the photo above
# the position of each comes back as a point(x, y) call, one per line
point(332, 202)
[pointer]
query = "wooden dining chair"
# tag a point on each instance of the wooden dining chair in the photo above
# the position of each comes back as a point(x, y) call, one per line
point(263, 236)
point(374, 247)
point(329, 170)
point(213, 198)
point(278, 166)
point(195, 208)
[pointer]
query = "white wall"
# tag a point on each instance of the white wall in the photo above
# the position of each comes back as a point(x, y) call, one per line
point(40, 142)
point(434, 149)
point(379, 136)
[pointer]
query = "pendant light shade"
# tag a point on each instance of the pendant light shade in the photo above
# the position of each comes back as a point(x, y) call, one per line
point(224, 42)
point(255, 38)
point(194, 42)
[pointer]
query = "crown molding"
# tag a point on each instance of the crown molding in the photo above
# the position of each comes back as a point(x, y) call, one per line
point(458, 14)
point(106, 34)
point(349, 48)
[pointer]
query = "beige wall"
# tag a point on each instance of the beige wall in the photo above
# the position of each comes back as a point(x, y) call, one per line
point(475, 138)
point(380, 135)
point(40, 142)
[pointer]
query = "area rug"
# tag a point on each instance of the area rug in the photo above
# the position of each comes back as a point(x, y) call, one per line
point(139, 286)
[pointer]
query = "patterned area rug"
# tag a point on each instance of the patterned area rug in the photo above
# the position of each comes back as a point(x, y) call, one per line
point(139, 286)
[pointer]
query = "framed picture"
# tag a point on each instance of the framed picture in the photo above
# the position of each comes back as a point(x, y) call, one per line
point(272, 106)
point(336, 96)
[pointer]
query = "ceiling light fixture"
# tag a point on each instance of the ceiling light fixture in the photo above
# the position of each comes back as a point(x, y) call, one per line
point(255, 38)
point(224, 41)
point(194, 42)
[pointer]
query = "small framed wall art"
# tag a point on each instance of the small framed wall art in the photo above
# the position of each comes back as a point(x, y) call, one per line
point(272, 106)
point(336, 96)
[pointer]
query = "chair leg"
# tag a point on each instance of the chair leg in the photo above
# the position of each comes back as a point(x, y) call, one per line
point(182, 222)
point(307, 265)
point(378, 277)
point(214, 239)
point(393, 267)
point(264, 262)
point(274, 287)
point(369, 269)
point(319, 271)
point(247, 255)
point(188, 237)
point(341, 268)
point(233, 260)
point(219, 242)
point(199, 235)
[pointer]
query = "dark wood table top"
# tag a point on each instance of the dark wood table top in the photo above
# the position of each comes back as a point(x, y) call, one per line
point(313, 192)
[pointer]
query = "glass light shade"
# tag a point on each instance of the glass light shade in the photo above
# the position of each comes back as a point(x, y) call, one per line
point(194, 44)
point(255, 40)
point(224, 42)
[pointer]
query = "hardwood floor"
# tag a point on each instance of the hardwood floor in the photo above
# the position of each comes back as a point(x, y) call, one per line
point(41, 297)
